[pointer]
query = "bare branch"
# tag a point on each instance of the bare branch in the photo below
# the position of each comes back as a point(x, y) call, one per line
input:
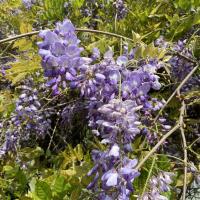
point(77, 29)
point(181, 122)
point(153, 150)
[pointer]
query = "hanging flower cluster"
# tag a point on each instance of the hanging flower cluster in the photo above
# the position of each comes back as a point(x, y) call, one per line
point(60, 53)
point(119, 107)
point(27, 121)
point(121, 9)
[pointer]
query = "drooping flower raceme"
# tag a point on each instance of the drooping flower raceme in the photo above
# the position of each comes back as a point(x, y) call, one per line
point(60, 53)
point(118, 174)
point(180, 65)
point(27, 121)
point(99, 81)
point(121, 8)
point(27, 111)
point(117, 126)
point(118, 122)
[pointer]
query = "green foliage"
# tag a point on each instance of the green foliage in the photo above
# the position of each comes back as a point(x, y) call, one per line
point(179, 25)
point(54, 9)
point(24, 65)
point(43, 191)
point(16, 180)
point(58, 182)
point(187, 5)
point(6, 103)
point(196, 47)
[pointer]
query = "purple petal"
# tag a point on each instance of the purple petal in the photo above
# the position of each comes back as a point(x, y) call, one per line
point(69, 77)
point(114, 151)
point(122, 60)
point(112, 180)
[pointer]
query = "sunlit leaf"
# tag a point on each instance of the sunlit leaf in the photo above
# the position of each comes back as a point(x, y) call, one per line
point(43, 190)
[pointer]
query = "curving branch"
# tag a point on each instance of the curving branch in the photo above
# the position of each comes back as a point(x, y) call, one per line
point(77, 29)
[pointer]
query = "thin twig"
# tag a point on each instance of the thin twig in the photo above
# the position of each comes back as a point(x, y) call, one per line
point(19, 36)
point(177, 89)
point(149, 175)
point(176, 158)
point(182, 112)
point(9, 45)
point(77, 29)
point(196, 140)
point(183, 56)
point(157, 145)
point(54, 130)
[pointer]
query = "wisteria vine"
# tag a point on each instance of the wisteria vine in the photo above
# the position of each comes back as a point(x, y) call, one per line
point(118, 103)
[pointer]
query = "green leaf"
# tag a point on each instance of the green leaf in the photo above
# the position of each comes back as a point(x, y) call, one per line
point(196, 47)
point(59, 184)
point(180, 179)
point(77, 3)
point(22, 180)
point(6, 103)
point(43, 190)
point(25, 27)
point(102, 44)
point(32, 184)
point(68, 172)
point(78, 152)
point(184, 4)
point(23, 67)
point(3, 183)
point(163, 162)
point(23, 44)
point(75, 194)
point(10, 171)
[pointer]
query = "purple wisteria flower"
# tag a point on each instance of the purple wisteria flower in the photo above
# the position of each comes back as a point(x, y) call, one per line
point(116, 176)
point(28, 3)
point(121, 9)
point(181, 66)
point(27, 120)
point(118, 121)
point(3, 69)
point(60, 54)
point(99, 81)
point(158, 185)
point(117, 125)
point(95, 54)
